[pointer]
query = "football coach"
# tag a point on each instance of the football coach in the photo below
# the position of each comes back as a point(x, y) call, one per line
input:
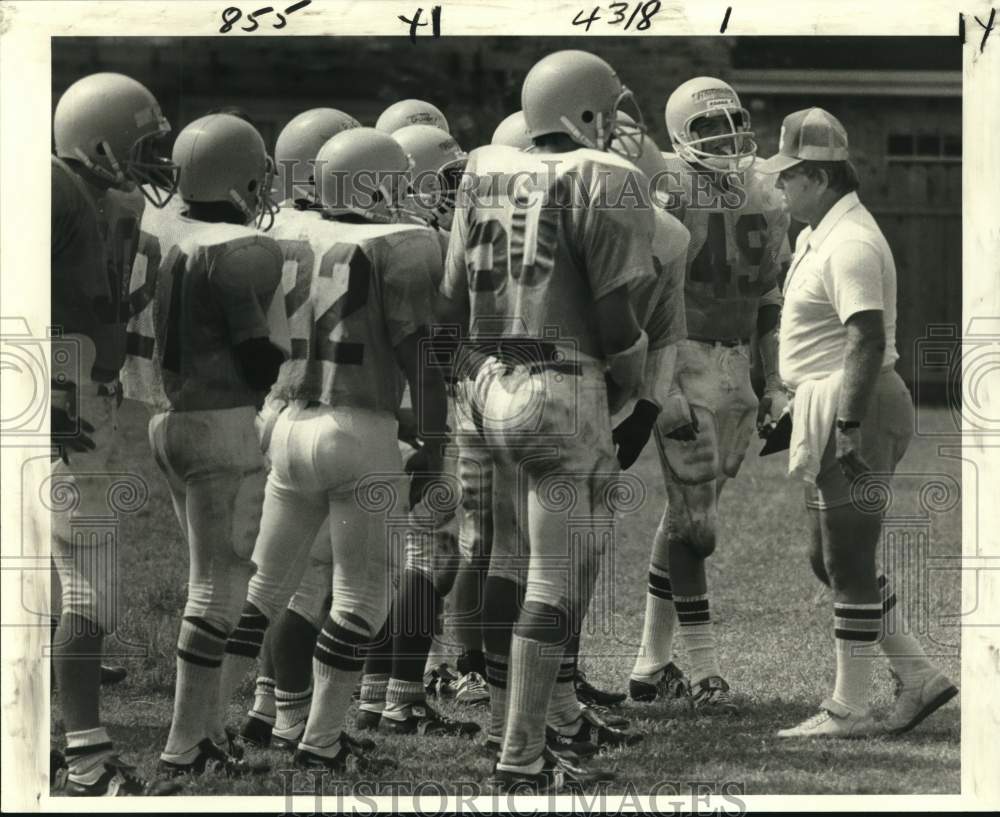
point(853, 419)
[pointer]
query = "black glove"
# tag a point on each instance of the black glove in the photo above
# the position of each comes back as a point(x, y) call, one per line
point(72, 434)
point(633, 432)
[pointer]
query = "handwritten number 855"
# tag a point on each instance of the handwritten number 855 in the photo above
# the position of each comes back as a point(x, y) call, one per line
point(232, 15)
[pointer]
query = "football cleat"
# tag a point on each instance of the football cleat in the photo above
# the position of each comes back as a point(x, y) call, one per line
point(671, 685)
point(287, 742)
point(601, 733)
point(915, 703)
point(471, 689)
point(833, 721)
point(112, 675)
point(367, 720)
point(213, 760)
point(424, 720)
point(711, 696)
point(571, 747)
point(256, 731)
point(119, 780)
point(352, 756)
point(556, 774)
point(588, 694)
point(233, 744)
point(440, 681)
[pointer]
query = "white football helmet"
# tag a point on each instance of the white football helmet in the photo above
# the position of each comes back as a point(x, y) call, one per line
point(362, 171)
point(579, 94)
point(110, 124)
point(297, 146)
point(513, 132)
point(436, 163)
point(411, 112)
point(694, 104)
point(222, 158)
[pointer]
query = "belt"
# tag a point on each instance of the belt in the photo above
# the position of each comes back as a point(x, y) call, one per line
point(729, 343)
point(535, 355)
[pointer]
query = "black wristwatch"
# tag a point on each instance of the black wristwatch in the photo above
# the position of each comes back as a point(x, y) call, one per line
point(847, 425)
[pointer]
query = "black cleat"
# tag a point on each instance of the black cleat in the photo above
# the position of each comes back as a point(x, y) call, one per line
point(672, 685)
point(588, 694)
point(119, 780)
point(424, 720)
point(711, 696)
point(556, 775)
point(601, 733)
point(213, 760)
point(570, 747)
point(256, 731)
point(353, 756)
point(112, 675)
point(367, 720)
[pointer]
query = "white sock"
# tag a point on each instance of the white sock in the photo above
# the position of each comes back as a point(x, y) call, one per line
point(855, 627)
point(905, 654)
point(657, 626)
point(698, 636)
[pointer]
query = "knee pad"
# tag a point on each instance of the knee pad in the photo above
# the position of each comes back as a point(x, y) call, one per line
point(544, 622)
point(691, 518)
point(247, 507)
point(220, 599)
point(694, 462)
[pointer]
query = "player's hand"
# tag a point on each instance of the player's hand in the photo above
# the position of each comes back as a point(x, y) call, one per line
point(632, 433)
point(848, 452)
point(677, 419)
point(772, 406)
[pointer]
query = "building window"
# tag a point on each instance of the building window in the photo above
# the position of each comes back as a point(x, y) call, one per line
point(923, 147)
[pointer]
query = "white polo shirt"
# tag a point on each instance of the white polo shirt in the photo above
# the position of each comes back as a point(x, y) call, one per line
point(842, 267)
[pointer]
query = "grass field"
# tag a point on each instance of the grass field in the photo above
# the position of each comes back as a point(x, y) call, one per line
point(773, 624)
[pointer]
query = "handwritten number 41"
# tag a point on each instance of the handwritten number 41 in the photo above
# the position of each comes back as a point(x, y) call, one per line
point(232, 15)
point(645, 12)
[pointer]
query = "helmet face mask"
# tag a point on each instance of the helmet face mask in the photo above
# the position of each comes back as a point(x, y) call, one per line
point(155, 174)
point(709, 127)
point(629, 132)
point(731, 147)
point(435, 166)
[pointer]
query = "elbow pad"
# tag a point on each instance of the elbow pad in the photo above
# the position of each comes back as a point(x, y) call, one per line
point(260, 361)
point(626, 367)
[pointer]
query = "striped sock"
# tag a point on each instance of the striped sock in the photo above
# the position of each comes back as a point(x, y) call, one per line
point(534, 666)
point(293, 711)
point(658, 625)
point(337, 663)
point(564, 708)
point(264, 707)
point(400, 695)
point(86, 752)
point(200, 647)
point(497, 669)
point(242, 648)
point(905, 654)
point(854, 626)
point(699, 639)
point(373, 692)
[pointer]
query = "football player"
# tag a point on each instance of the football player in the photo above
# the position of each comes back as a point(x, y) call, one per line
point(410, 112)
point(393, 694)
point(106, 129)
point(540, 349)
point(359, 302)
point(211, 276)
point(283, 688)
point(738, 230)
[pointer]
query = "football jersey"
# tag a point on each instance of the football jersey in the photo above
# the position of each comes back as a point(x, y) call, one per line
point(659, 305)
point(199, 289)
point(353, 291)
point(541, 238)
point(739, 240)
point(94, 239)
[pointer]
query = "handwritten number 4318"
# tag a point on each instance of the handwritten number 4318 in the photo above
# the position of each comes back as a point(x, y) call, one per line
point(232, 15)
point(644, 11)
